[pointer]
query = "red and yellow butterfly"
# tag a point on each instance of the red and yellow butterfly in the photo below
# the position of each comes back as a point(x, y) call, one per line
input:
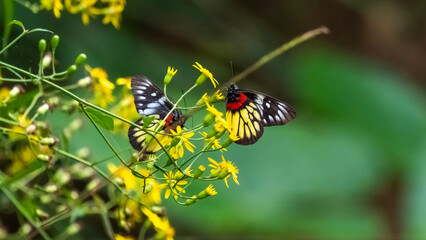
point(247, 112)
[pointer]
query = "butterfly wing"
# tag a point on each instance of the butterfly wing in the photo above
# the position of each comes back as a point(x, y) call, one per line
point(246, 121)
point(274, 112)
point(149, 101)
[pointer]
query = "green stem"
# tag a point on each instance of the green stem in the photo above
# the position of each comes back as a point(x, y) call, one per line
point(104, 137)
point(22, 209)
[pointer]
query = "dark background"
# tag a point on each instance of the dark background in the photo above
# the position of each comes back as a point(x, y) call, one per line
point(352, 165)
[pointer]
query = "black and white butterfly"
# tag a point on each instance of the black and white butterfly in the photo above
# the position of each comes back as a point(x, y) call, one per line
point(248, 111)
point(150, 101)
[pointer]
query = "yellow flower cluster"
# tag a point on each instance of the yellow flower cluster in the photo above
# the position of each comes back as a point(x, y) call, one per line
point(110, 9)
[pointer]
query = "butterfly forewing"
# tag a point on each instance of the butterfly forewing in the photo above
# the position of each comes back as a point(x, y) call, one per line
point(149, 99)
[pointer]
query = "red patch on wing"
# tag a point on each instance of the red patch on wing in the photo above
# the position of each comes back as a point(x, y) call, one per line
point(236, 105)
point(168, 120)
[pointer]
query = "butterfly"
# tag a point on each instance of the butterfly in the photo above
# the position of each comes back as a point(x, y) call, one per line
point(248, 112)
point(150, 101)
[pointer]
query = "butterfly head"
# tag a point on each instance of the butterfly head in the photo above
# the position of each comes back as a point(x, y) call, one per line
point(232, 95)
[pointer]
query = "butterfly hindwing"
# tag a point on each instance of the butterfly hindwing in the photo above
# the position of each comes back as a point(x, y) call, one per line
point(247, 123)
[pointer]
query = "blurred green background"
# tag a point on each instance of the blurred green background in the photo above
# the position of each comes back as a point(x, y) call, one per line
point(352, 165)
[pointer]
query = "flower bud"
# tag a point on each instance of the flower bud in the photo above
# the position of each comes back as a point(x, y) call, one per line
point(92, 184)
point(191, 200)
point(83, 152)
point(17, 89)
point(200, 170)
point(61, 177)
point(148, 187)
point(51, 188)
point(45, 199)
point(31, 129)
point(201, 79)
point(160, 211)
point(223, 173)
point(71, 70)
point(150, 165)
point(227, 143)
point(26, 229)
point(208, 119)
point(48, 141)
point(54, 42)
point(211, 133)
point(219, 134)
point(73, 229)
point(41, 213)
point(44, 158)
point(179, 175)
point(214, 172)
point(42, 46)
point(81, 59)
point(43, 108)
point(209, 191)
point(84, 82)
point(47, 60)
point(74, 194)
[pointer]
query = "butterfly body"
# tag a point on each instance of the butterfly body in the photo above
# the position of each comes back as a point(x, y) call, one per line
point(248, 112)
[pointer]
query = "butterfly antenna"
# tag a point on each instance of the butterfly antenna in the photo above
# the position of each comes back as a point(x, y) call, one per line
point(232, 68)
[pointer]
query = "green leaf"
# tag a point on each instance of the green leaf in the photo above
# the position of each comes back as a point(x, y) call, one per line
point(147, 121)
point(16, 22)
point(101, 119)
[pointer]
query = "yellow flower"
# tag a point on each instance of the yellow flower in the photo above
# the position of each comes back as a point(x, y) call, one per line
point(205, 74)
point(213, 141)
point(125, 109)
point(21, 158)
point(170, 73)
point(4, 95)
point(86, 7)
point(210, 190)
point(125, 81)
point(172, 185)
point(161, 225)
point(119, 237)
point(177, 150)
point(225, 166)
point(102, 87)
point(221, 124)
point(113, 12)
point(148, 191)
point(56, 5)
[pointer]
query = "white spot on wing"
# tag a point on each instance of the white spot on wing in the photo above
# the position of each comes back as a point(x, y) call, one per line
point(141, 98)
point(281, 114)
point(139, 92)
point(271, 119)
point(153, 105)
point(153, 94)
point(162, 100)
point(148, 111)
point(268, 105)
